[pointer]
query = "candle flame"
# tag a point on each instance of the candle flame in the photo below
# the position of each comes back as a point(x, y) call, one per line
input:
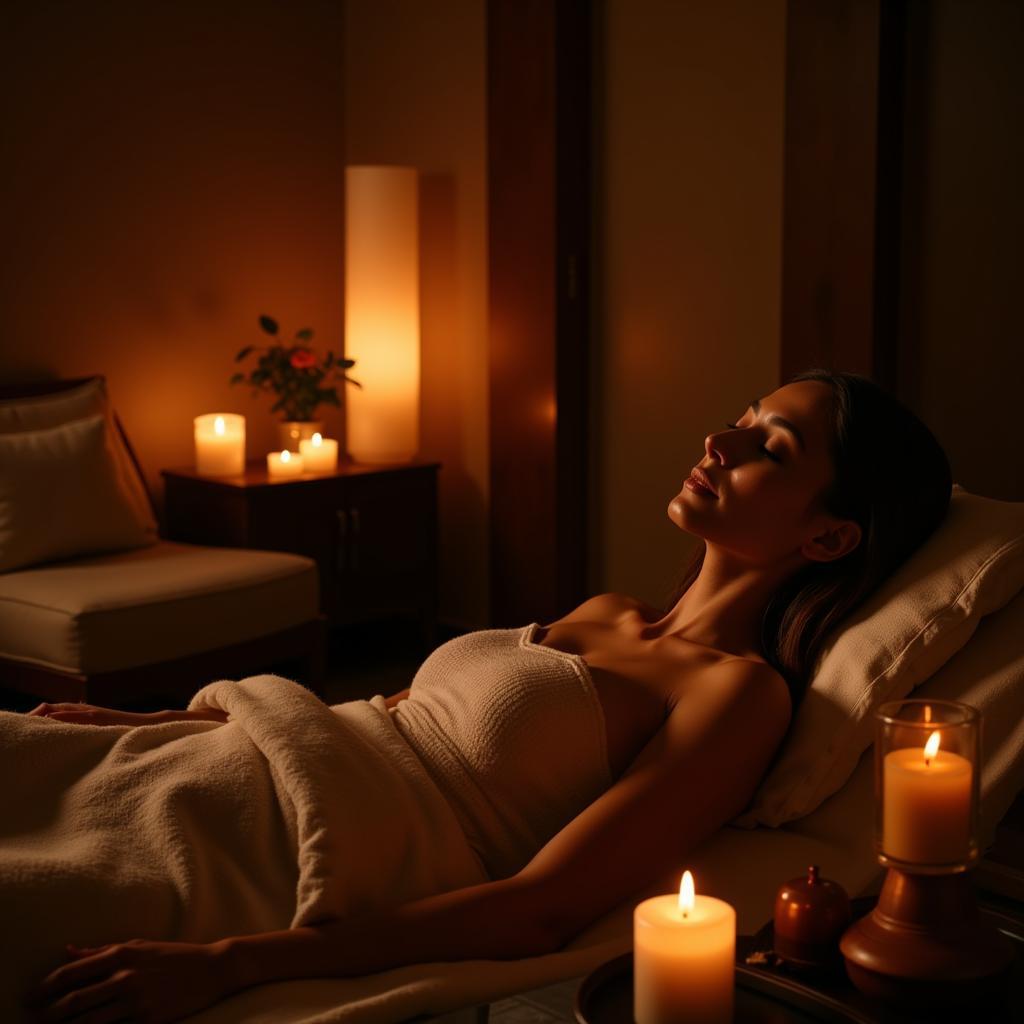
point(927, 712)
point(286, 456)
point(686, 897)
point(317, 440)
point(931, 748)
point(218, 425)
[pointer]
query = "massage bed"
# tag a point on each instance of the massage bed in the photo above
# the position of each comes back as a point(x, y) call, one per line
point(743, 866)
point(960, 639)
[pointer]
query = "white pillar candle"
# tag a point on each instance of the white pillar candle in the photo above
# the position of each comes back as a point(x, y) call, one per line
point(284, 464)
point(319, 454)
point(684, 950)
point(220, 444)
point(926, 813)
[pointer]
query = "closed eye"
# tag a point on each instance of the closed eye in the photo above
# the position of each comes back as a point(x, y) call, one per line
point(771, 455)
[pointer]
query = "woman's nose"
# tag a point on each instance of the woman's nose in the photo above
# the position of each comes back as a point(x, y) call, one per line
point(713, 446)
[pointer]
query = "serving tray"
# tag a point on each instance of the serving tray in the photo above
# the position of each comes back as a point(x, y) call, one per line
point(773, 994)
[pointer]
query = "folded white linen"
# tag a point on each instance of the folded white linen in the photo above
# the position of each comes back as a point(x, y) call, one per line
point(288, 813)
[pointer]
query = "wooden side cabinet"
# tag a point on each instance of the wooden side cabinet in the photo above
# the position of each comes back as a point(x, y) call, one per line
point(372, 530)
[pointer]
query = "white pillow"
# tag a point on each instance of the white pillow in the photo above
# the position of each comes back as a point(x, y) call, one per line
point(61, 495)
point(972, 565)
point(40, 412)
point(988, 674)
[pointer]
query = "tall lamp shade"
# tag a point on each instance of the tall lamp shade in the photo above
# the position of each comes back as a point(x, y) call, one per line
point(382, 313)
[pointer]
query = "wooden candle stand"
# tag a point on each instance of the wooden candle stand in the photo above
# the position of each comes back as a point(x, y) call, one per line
point(926, 946)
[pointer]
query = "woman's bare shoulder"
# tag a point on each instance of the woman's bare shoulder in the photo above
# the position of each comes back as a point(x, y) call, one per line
point(748, 688)
point(609, 605)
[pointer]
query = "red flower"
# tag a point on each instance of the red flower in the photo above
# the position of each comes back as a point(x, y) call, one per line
point(303, 359)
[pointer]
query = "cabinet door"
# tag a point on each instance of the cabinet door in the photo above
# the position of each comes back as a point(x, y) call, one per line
point(392, 543)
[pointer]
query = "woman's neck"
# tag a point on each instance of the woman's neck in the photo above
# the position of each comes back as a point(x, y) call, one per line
point(724, 606)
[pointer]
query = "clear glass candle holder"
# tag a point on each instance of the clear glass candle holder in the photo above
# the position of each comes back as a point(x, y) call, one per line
point(927, 767)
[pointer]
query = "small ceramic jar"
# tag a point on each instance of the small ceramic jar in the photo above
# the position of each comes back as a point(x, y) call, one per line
point(811, 915)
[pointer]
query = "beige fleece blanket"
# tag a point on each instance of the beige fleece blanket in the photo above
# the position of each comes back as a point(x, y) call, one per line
point(288, 813)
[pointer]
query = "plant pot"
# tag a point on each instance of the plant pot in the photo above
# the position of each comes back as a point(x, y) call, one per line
point(291, 432)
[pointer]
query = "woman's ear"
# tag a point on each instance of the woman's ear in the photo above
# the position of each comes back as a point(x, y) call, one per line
point(839, 538)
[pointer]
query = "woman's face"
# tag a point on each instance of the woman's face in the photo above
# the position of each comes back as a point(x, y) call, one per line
point(769, 469)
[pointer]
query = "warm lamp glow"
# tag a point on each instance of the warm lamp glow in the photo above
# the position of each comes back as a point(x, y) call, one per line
point(931, 748)
point(382, 328)
point(686, 895)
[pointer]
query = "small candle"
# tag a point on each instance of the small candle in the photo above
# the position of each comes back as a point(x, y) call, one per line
point(284, 464)
point(220, 444)
point(683, 957)
point(927, 804)
point(319, 454)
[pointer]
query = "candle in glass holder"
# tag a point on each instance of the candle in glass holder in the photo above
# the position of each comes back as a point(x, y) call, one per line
point(284, 464)
point(927, 804)
point(684, 949)
point(220, 444)
point(319, 454)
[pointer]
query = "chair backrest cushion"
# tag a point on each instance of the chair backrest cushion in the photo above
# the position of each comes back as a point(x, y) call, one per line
point(58, 407)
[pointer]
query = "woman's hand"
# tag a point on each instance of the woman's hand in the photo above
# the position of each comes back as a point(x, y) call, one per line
point(88, 714)
point(134, 981)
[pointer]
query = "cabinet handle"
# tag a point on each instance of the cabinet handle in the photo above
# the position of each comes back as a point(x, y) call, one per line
point(355, 537)
point(342, 534)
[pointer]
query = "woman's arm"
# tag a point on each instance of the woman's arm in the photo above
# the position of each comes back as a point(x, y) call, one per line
point(392, 701)
point(89, 714)
point(699, 771)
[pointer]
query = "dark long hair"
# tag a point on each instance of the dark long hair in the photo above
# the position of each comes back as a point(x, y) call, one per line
point(891, 477)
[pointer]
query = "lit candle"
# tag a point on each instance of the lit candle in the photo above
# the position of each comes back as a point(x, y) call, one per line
point(220, 444)
point(284, 464)
point(926, 804)
point(683, 956)
point(319, 454)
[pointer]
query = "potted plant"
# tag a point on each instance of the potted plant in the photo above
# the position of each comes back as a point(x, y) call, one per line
point(299, 378)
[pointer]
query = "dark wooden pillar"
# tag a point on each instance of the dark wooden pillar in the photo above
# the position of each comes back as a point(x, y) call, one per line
point(538, 116)
point(841, 203)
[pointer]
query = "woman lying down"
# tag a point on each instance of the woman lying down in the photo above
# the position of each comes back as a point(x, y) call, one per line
point(528, 782)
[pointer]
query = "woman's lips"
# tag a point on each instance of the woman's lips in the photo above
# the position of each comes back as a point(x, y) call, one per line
point(695, 484)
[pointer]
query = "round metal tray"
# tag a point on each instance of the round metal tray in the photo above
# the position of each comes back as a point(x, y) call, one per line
point(606, 997)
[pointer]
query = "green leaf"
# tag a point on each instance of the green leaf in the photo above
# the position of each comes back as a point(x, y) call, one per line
point(243, 353)
point(269, 324)
point(347, 363)
point(306, 334)
point(357, 384)
point(237, 378)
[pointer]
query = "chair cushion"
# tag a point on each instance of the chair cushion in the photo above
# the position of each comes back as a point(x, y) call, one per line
point(927, 611)
point(153, 604)
point(54, 409)
point(61, 495)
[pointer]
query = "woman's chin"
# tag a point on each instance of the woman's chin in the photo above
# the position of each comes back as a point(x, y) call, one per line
point(678, 513)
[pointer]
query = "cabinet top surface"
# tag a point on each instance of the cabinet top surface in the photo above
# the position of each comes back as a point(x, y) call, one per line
point(256, 474)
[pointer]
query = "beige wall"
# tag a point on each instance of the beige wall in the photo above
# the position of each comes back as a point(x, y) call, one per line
point(962, 237)
point(174, 170)
point(690, 216)
point(415, 95)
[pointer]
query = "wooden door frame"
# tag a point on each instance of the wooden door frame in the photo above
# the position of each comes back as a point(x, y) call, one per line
point(842, 186)
point(539, 163)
